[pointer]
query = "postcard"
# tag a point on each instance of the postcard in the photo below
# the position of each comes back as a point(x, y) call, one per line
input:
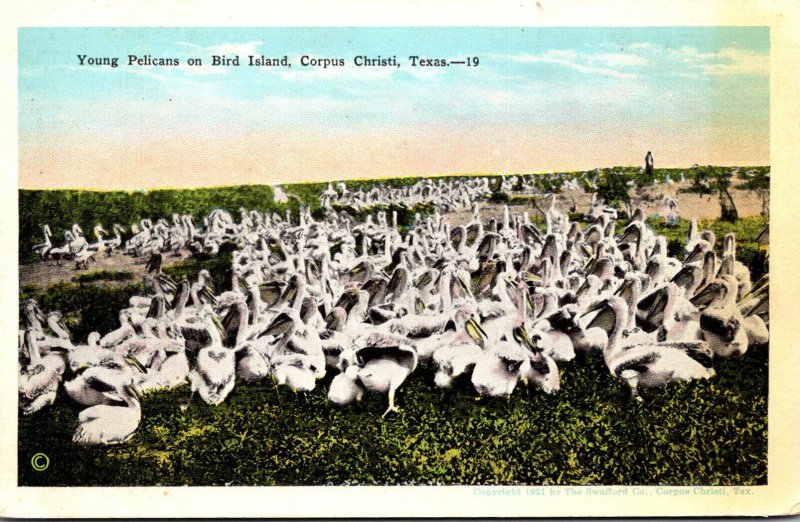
point(498, 262)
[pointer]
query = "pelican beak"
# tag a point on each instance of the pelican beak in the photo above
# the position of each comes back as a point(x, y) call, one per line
point(597, 305)
point(531, 304)
point(522, 337)
point(290, 294)
point(220, 328)
point(694, 255)
point(531, 278)
point(658, 306)
point(464, 285)
point(332, 323)
point(476, 331)
point(133, 390)
point(703, 297)
point(419, 306)
point(582, 289)
point(133, 361)
point(625, 291)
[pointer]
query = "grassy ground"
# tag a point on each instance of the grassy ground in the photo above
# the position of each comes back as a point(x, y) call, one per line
point(591, 432)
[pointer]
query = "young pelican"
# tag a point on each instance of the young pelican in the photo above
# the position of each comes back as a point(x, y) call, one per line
point(383, 361)
point(650, 364)
point(38, 381)
point(104, 424)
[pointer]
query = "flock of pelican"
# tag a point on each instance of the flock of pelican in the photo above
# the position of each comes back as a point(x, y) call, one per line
point(496, 303)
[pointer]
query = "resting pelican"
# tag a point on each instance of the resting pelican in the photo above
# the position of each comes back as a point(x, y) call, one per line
point(499, 368)
point(721, 320)
point(461, 352)
point(89, 387)
point(652, 364)
point(105, 424)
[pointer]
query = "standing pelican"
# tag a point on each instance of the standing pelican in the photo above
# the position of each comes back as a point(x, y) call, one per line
point(38, 381)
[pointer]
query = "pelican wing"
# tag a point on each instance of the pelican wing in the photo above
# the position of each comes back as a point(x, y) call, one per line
point(404, 355)
point(723, 325)
point(379, 315)
point(686, 276)
point(270, 292)
point(564, 321)
point(761, 308)
point(230, 323)
point(167, 283)
point(531, 234)
point(281, 324)
point(697, 350)
point(197, 337)
point(638, 363)
point(154, 263)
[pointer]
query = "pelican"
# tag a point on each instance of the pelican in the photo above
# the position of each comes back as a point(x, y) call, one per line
point(384, 362)
point(213, 366)
point(38, 381)
point(651, 364)
point(106, 424)
point(43, 249)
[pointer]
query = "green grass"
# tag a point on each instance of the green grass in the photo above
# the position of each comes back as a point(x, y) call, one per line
point(591, 432)
point(103, 275)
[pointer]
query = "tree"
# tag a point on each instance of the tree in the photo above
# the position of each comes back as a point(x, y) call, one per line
point(613, 186)
point(711, 180)
point(757, 180)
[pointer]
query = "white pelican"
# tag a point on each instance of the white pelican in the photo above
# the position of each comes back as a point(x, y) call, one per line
point(652, 364)
point(38, 381)
point(384, 362)
point(105, 424)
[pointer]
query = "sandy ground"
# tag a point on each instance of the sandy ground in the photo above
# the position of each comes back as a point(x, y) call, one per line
point(48, 272)
point(689, 206)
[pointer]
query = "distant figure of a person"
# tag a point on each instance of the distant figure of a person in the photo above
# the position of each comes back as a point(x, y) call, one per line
point(648, 164)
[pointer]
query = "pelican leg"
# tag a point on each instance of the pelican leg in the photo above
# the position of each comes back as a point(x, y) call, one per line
point(635, 391)
point(184, 407)
point(448, 394)
point(392, 406)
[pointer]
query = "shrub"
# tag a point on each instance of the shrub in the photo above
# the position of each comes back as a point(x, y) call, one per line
point(102, 275)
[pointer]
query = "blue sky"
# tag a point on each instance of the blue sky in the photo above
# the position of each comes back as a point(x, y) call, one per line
point(586, 91)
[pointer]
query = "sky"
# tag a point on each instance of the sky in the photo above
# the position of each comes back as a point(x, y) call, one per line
point(540, 99)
